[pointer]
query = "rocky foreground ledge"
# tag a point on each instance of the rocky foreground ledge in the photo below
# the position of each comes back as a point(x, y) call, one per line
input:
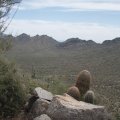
point(65, 108)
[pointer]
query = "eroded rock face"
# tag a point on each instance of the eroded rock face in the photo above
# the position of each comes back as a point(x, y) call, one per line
point(67, 108)
point(42, 117)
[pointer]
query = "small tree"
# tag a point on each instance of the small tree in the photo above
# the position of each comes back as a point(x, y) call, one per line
point(11, 90)
point(5, 44)
point(5, 7)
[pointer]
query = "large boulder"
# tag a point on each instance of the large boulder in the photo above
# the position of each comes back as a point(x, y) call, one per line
point(67, 108)
point(39, 107)
point(42, 117)
point(38, 103)
point(43, 94)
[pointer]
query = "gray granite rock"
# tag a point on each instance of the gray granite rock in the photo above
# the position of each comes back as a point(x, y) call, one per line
point(42, 117)
point(43, 94)
point(39, 107)
point(67, 108)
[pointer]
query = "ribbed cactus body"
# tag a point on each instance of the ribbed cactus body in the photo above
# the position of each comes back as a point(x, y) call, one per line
point(83, 81)
point(89, 97)
point(74, 92)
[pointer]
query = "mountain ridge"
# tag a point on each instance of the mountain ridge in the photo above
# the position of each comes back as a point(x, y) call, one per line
point(69, 41)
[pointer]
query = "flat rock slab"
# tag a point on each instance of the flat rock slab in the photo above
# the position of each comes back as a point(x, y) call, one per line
point(67, 108)
point(44, 94)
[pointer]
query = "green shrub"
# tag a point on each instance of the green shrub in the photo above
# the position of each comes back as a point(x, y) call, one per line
point(56, 86)
point(11, 89)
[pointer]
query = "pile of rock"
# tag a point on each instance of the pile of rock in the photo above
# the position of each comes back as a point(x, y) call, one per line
point(38, 104)
point(65, 107)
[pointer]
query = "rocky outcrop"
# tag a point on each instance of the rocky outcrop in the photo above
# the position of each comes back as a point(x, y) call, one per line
point(36, 107)
point(67, 108)
point(64, 107)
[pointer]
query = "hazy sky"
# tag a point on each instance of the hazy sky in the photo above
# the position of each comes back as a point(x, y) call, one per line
point(62, 19)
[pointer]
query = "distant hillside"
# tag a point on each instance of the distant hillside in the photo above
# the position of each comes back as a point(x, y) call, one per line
point(44, 41)
point(76, 42)
point(114, 41)
point(24, 44)
point(49, 57)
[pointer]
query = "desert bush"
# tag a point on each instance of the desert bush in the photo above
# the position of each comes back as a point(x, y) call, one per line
point(11, 89)
point(55, 86)
point(117, 116)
